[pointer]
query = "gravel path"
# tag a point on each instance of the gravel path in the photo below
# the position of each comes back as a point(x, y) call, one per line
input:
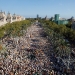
point(29, 54)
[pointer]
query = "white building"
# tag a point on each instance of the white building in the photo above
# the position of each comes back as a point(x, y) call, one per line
point(19, 18)
point(9, 18)
point(2, 17)
point(14, 18)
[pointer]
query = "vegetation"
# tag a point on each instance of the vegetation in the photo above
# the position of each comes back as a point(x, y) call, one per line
point(63, 30)
point(57, 34)
point(69, 24)
point(14, 29)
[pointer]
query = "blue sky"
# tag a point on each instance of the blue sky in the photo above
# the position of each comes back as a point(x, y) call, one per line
point(30, 8)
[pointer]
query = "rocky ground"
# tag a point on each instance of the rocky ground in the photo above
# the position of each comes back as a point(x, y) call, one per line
point(27, 54)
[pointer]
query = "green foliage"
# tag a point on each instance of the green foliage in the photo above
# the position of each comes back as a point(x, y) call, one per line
point(14, 28)
point(56, 34)
point(63, 30)
point(69, 24)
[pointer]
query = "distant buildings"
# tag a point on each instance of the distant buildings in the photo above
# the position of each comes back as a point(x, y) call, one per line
point(56, 17)
point(60, 21)
point(2, 16)
point(37, 16)
point(8, 18)
point(14, 18)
